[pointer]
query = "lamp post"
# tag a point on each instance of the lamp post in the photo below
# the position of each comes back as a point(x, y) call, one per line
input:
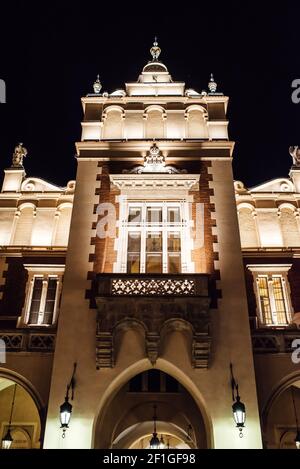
point(154, 442)
point(8, 439)
point(65, 409)
point(238, 408)
point(297, 439)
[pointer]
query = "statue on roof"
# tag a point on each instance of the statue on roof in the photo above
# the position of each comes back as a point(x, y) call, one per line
point(20, 152)
point(295, 154)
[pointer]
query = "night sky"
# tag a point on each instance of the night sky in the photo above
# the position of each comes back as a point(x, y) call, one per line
point(51, 53)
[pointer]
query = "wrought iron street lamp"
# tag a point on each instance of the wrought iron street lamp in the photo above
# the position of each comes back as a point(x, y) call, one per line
point(239, 414)
point(8, 439)
point(65, 414)
point(65, 410)
point(238, 408)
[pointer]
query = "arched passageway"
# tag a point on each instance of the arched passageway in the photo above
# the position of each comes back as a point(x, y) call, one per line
point(282, 415)
point(128, 419)
point(19, 414)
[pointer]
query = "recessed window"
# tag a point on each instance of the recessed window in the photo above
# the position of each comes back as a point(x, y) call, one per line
point(43, 294)
point(42, 301)
point(154, 237)
point(272, 300)
point(271, 288)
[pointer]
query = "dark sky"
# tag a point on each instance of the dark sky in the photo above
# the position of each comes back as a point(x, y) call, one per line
point(51, 53)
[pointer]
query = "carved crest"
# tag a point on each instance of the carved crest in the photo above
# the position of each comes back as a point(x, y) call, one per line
point(154, 162)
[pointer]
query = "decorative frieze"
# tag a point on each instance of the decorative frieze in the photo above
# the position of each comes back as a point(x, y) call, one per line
point(26, 341)
point(274, 341)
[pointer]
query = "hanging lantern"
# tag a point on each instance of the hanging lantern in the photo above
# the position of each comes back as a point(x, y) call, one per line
point(154, 442)
point(7, 440)
point(65, 414)
point(238, 408)
point(239, 414)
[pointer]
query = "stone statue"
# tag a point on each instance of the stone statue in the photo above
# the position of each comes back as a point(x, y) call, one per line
point(18, 155)
point(295, 154)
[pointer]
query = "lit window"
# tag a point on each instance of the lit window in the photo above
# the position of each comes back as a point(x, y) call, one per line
point(43, 301)
point(154, 234)
point(272, 294)
point(43, 293)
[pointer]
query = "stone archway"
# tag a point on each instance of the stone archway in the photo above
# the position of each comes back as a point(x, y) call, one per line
point(125, 418)
point(26, 421)
point(281, 413)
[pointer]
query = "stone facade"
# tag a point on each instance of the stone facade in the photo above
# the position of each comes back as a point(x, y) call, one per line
point(144, 337)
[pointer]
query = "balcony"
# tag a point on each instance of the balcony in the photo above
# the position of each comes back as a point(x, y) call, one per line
point(156, 304)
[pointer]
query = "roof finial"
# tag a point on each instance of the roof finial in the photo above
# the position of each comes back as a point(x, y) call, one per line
point(155, 50)
point(212, 85)
point(97, 85)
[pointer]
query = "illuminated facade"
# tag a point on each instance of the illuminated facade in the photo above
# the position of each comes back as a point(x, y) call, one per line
point(153, 272)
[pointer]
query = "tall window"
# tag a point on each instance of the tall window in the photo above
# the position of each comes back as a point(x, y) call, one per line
point(43, 294)
point(43, 300)
point(272, 293)
point(154, 235)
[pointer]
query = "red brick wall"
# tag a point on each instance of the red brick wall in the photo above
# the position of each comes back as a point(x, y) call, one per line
point(105, 254)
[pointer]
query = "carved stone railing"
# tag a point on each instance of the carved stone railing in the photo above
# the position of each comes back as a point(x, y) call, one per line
point(155, 304)
point(152, 285)
point(22, 340)
point(274, 340)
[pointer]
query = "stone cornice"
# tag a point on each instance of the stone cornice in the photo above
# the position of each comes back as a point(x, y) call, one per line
point(155, 180)
point(130, 150)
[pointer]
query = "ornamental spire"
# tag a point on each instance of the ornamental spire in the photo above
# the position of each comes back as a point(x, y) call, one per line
point(97, 85)
point(155, 50)
point(212, 85)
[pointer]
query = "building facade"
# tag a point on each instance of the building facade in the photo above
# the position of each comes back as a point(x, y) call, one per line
point(149, 280)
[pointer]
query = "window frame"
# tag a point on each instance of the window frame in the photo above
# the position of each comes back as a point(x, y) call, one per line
point(270, 272)
point(46, 273)
point(165, 227)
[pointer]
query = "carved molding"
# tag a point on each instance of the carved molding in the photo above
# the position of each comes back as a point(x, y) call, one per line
point(28, 341)
point(155, 318)
point(144, 181)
